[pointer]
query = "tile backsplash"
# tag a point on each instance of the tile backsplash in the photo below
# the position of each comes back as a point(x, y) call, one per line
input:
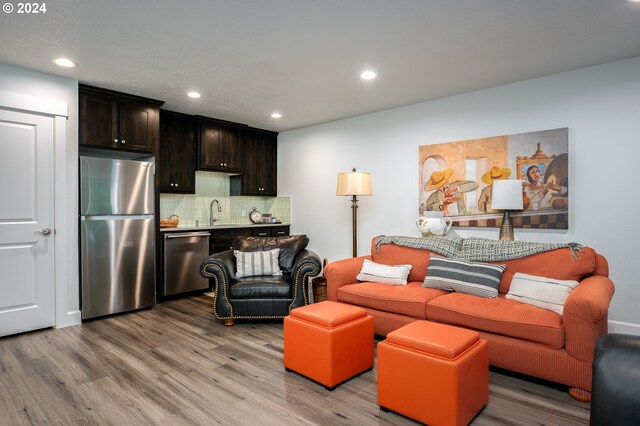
point(210, 186)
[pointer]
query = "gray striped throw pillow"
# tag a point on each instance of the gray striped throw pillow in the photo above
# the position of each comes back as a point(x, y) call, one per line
point(256, 263)
point(479, 279)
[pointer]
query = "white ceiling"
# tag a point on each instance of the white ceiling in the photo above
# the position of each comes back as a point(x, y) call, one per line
point(302, 58)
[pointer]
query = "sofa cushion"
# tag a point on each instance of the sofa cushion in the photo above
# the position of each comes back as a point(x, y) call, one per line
point(384, 274)
point(269, 286)
point(499, 316)
point(391, 254)
point(477, 278)
point(405, 300)
point(289, 246)
point(557, 264)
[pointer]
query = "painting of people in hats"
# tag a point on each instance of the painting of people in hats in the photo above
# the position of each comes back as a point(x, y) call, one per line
point(448, 196)
point(457, 178)
point(539, 195)
point(494, 173)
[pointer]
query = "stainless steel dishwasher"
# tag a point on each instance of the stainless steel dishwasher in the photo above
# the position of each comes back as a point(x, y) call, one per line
point(183, 253)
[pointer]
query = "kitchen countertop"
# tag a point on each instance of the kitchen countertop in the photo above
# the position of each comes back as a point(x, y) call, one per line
point(223, 226)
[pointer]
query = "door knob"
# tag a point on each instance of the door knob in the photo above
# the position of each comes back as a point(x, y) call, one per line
point(45, 231)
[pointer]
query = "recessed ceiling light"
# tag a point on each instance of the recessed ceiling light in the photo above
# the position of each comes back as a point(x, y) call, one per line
point(276, 115)
point(368, 75)
point(64, 62)
point(194, 95)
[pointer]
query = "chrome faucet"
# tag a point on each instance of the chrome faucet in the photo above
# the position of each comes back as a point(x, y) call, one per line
point(211, 218)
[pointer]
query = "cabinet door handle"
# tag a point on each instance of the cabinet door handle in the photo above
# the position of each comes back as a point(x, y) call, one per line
point(280, 232)
point(221, 164)
point(115, 140)
point(176, 185)
point(262, 234)
point(123, 141)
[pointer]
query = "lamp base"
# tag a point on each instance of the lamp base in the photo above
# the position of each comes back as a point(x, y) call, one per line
point(506, 229)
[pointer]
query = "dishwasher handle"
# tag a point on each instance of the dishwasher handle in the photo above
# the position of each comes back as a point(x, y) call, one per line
point(187, 234)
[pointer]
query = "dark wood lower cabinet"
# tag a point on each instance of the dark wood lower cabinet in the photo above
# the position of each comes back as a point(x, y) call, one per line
point(222, 239)
point(279, 231)
point(219, 240)
point(261, 232)
point(276, 231)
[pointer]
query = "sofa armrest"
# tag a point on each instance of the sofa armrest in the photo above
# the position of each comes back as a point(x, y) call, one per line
point(342, 272)
point(585, 316)
point(221, 267)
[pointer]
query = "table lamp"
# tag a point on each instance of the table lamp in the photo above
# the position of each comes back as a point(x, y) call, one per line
point(354, 183)
point(506, 195)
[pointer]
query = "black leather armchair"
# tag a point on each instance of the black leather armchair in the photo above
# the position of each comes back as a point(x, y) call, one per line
point(261, 297)
point(615, 393)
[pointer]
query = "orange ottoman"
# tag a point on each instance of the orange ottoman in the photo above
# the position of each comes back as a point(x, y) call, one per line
point(434, 373)
point(328, 342)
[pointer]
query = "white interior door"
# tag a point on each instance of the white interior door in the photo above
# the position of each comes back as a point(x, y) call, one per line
point(26, 222)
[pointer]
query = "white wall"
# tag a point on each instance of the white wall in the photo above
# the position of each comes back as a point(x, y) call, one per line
point(20, 80)
point(601, 107)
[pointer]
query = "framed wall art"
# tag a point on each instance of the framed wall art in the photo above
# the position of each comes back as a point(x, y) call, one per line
point(456, 178)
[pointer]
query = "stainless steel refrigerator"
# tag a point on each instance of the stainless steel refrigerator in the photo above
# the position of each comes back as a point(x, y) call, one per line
point(117, 235)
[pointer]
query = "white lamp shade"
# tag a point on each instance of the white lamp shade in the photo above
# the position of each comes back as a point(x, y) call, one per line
point(507, 194)
point(354, 183)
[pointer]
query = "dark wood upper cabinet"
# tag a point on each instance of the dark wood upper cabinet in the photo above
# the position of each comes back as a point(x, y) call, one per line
point(219, 145)
point(117, 120)
point(98, 120)
point(176, 162)
point(259, 164)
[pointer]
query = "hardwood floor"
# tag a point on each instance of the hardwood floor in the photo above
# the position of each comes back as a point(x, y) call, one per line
point(176, 365)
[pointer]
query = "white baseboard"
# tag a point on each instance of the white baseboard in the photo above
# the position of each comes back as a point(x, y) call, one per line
point(624, 327)
point(72, 318)
point(75, 318)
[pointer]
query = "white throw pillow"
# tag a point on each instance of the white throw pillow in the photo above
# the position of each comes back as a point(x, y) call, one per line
point(257, 263)
point(545, 293)
point(384, 274)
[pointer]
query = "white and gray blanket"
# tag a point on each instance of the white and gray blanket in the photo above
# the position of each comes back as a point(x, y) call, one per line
point(476, 249)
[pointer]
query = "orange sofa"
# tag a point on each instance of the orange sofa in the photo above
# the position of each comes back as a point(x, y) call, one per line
point(521, 337)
